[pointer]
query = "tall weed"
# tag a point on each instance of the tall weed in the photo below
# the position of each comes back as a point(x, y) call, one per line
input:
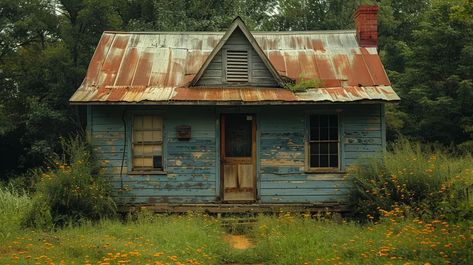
point(413, 179)
point(70, 190)
point(13, 205)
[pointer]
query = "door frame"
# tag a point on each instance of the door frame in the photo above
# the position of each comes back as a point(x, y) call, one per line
point(253, 155)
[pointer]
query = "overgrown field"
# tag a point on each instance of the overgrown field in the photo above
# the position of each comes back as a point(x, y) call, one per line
point(192, 239)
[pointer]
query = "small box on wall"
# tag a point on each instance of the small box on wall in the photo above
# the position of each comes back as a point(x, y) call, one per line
point(183, 132)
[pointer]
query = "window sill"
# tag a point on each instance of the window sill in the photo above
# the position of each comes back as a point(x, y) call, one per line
point(325, 171)
point(147, 172)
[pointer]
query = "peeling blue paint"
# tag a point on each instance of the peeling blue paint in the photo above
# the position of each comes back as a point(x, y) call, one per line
point(192, 168)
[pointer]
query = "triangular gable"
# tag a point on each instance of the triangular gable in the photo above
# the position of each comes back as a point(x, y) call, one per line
point(238, 27)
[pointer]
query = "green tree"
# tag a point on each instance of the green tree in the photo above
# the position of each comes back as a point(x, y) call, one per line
point(313, 15)
point(193, 15)
point(436, 83)
point(83, 22)
point(45, 49)
point(23, 22)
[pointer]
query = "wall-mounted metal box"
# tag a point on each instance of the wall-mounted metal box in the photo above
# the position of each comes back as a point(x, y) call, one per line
point(183, 132)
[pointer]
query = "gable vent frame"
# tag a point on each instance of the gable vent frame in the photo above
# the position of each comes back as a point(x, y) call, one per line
point(237, 66)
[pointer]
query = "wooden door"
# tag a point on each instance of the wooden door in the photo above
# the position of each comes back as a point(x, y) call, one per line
point(238, 157)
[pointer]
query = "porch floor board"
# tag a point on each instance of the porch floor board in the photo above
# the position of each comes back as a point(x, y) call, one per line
point(237, 208)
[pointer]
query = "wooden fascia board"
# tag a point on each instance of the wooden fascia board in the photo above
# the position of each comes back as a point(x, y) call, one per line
point(238, 22)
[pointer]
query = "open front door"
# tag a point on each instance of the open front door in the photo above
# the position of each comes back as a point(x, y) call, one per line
point(238, 157)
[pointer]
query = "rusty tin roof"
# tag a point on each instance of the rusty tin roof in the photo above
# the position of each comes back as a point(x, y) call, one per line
point(159, 67)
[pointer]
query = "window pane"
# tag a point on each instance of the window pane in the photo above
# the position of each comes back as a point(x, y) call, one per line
point(157, 122)
point(334, 161)
point(147, 150)
point(333, 121)
point(147, 122)
point(324, 161)
point(324, 148)
point(157, 135)
point(324, 133)
point(137, 137)
point(333, 134)
point(324, 120)
point(238, 138)
point(314, 133)
point(333, 148)
point(143, 162)
point(158, 162)
point(147, 136)
point(138, 122)
point(314, 148)
point(314, 161)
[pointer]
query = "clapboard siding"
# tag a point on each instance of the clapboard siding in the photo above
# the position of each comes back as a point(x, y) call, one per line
point(283, 177)
point(363, 133)
point(214, 75)
point(192, 167)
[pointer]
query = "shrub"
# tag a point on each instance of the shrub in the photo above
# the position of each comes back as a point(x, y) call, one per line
point(70, 190)
point(413, 179)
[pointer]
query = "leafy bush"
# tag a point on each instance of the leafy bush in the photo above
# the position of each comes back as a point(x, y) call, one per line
point(70, 190)
point(13, 205)
point(422, 181)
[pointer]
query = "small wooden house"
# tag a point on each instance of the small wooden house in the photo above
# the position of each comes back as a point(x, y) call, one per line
point(209, 119)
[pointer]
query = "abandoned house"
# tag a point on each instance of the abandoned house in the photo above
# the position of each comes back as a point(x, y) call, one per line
point(236, 120)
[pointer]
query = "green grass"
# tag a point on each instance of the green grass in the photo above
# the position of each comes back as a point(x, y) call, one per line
point(166, 239)
point(292, 240)
point(195, 239)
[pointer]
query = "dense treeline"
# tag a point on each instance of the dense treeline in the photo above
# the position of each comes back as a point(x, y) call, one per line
point(45, 47)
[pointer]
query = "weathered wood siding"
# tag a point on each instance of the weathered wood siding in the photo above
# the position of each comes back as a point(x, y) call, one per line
point(283, 177)
point(259, 74)
point(192, 167)
point(213, 75)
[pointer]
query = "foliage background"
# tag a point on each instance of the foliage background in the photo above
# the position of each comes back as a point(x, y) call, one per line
point(45, 47)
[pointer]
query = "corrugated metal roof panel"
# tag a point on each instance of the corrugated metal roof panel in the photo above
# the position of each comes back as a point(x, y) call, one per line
point(220, 95)
point(346, 94)
point(138, 67)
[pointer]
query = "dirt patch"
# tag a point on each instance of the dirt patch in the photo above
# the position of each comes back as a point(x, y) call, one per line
point(238, 241)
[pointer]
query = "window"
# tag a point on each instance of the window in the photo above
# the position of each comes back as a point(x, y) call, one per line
point(323, 142)
point(147, 143)
point(237, 70)
point(238, 135)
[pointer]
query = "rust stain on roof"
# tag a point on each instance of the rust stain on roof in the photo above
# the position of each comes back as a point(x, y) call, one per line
point(245, 94)
point(158, 67)
point(226, 95)
point(317, 45)
point(142, 74)
point(277, 59)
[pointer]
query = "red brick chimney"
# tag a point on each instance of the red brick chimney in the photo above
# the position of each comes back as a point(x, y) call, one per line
point(366, 24)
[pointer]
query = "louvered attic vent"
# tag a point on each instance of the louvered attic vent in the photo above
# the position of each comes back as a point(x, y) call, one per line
point(237, 66)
